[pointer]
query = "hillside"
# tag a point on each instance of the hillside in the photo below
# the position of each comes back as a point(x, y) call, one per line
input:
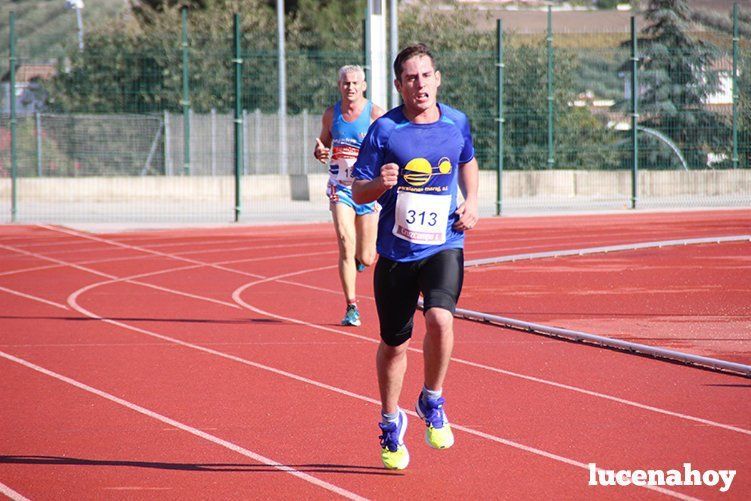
point(45, 28)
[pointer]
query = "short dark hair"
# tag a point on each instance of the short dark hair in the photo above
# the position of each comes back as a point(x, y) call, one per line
point(418, 49)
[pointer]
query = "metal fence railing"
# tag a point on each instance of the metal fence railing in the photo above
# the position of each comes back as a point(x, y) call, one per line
point(128, 131)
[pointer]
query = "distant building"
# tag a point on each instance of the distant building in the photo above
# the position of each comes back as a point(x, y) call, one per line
point(29, 91)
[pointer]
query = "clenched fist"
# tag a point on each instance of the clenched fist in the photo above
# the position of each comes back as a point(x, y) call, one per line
point(389, 175)
point(321, 152)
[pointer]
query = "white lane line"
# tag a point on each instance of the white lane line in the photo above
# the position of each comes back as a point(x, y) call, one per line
point(214, 250)
point(533, 450)
point(11, 494)
point(135, 258)
point(606, 249)
point(236, 295)
point(130, 280)
point(341, 391)
point(194, 431)
point(68, 231)
point(34, 298)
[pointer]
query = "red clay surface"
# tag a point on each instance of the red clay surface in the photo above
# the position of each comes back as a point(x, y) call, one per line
point(236, 380)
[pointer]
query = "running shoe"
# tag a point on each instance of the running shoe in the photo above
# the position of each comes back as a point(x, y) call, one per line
point(352, 317)
point(394, 453)
point(438, 434)
point(360, 267)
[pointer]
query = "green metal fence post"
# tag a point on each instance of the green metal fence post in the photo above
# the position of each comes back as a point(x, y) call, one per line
point(549, 40)
point(499, 120)
point(239, 160)
point(735, 85)
point(12, 96)
point(186, 95)
point(634, 116)
point(38, 134)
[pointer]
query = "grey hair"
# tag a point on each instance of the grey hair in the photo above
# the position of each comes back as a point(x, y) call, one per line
point(349, 68)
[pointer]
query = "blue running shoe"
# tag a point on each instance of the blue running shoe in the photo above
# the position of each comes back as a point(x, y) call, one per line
point(352, 317)
point(394, 453)
point(438, 434)
point(360, 267)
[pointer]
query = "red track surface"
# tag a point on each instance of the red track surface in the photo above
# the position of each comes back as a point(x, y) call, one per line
point(210, 364)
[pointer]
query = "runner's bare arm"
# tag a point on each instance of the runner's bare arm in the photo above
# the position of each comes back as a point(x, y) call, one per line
point(364, 192)
point(468, 211)
point(375, 113)
point(322, 151)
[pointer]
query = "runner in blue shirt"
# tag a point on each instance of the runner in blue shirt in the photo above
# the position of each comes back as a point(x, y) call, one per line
point(414, 160)
point(343, 129)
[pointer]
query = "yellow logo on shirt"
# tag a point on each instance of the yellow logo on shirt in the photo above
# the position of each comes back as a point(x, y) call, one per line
point(418, 171)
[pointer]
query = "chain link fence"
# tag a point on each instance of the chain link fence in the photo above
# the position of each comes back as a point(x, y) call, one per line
point(130, 133)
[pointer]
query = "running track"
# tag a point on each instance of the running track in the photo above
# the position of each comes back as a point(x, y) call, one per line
point(210, 364)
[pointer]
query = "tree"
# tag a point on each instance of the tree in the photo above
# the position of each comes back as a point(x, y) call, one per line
point(677, 75)
point(330, 25)
point(607, 4)
point(467, 57)
point(136, 67)
point(744, 112)
point(146, 10)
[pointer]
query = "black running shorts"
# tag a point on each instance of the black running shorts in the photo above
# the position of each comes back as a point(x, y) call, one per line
point(398, 285)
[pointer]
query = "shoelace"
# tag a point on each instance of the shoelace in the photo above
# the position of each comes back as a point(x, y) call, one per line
point(389, 438)
point(433, 411)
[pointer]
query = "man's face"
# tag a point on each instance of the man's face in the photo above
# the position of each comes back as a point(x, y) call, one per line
point(352, 86)
point(419, 83)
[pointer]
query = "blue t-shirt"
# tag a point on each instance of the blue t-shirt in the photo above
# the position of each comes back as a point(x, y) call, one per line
point(417, 215)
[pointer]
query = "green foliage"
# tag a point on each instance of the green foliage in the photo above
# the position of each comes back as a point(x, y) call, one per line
point(135, 67)
point(469, 83)
point(744, 112)
point(54, 159)
point(110, 75)
point(45, 29)
point(329, 25)
point(723, 21)
point(146, 10)
point(138, 69)
point(607, 4)
point(677, 76)
point(597, 73)
point(468, 77)
point(580, 140)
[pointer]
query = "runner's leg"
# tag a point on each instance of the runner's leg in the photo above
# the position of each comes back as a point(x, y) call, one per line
point(391, 364)
point(440, 280)
point(396, 292)
point(437, 346)
point(344, 224)
point(367, 230)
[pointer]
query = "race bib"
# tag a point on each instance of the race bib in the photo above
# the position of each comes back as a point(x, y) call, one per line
point(344, 176)
point(421, 218)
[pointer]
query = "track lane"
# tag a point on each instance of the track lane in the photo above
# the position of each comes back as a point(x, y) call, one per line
point(144, 457)
point(692, 298)
point(281, 295)
point(116, 368)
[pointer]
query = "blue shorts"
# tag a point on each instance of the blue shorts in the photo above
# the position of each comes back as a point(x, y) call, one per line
point(345, 197)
